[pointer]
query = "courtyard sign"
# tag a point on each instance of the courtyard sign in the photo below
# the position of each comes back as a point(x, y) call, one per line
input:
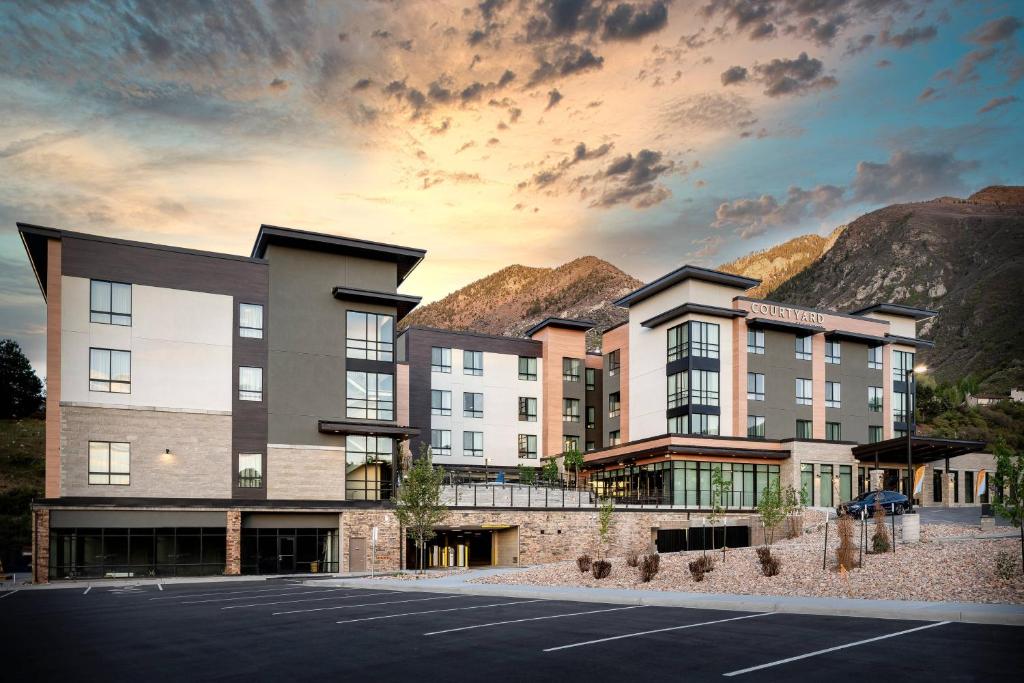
point(795, 315)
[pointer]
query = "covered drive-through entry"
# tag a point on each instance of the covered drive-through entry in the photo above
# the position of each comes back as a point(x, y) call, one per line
point(484, 545)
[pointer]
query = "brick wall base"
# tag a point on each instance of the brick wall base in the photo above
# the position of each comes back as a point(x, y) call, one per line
point(233, 550)
point(41, 546)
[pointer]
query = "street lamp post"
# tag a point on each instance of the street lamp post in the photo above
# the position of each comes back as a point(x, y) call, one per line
point(911, 404)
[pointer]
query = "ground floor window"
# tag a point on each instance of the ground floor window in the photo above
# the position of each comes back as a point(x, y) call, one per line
point(684, 483)
point(845, 483)
point(130, 553)
point(807, 483)
point(825, 486)
point(288, 551)
point(968, 487)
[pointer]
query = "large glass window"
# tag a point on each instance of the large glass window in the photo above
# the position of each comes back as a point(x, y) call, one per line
point(825, 486)
point(875, 399)
point(441, 441)
point(755, 386)
point(833, 431)
point(845, 483)
point(591, 377)
point(472, 405)
point(875, 358)
point(527, 409)
point(899, 406)
point(250, 470)
point(370, 396)
point(614, 437)
point(804, 429)
point(110, 371)
point(807, 483)
point(902, 361)
point(528, 368)
point(440, 359)
point(832, 395)
point(696, 424)
point(614, 404)
point(678, 389)
point(968, 487)
point(832, 352)
point(686, 484)
point(693, 338)
point(109, 463)
point(803, 347)
point(250, 384)
point(440, 402)
point(570, 443)
point(473, 444)
point(473, 363)
point(110, 303)
point(571, 369)
point(591, 417)
point(570, 410)
point(874, 434)
point(370, 336)
point(804, 395)
point(614, 363)
point(755, 426)
point(755, 341)
point(368, 467)
point(250, 321)
point(135, 552)
point(527, 447)
point(704, 387)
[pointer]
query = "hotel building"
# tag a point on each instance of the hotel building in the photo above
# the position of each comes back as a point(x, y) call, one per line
point(210, 413)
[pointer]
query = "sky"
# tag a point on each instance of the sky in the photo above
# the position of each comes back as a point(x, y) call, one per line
point(650, 133)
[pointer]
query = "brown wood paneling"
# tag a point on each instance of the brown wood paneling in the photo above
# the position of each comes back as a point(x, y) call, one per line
point(818, 386)
point(53, 367)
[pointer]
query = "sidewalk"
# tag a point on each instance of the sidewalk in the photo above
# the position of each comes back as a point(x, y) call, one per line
point(976, 613)
point(171, 580)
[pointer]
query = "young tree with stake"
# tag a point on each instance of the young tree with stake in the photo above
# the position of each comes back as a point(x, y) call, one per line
point(1010, 476)
point(418, 505)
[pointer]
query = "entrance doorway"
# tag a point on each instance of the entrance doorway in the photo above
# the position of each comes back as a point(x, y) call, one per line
point(356, 554)
point(285, 554)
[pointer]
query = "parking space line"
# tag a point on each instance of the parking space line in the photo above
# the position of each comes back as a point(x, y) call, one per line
point(517, 621)
point(330, 597)
point(247, 597)
point(657, 630)
point(203, 595)
point(435, 611)
point(833, 649)
point(87, 590)
point(9, 594)
point(368, 604)
point(160, 587)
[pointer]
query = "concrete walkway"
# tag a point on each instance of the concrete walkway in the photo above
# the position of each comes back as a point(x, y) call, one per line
point(171, 580)
point(976, 613)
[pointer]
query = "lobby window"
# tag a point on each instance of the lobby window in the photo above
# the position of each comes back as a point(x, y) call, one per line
point(570, 410)
point(571, 369)
point(874, 434)
point(369, 336)
point(901, 362)
point(704, 387)
point(832, 395)
point(441, 441)
point(825, 486)
point(473, 363)
point(109, 463)
point(875, 399)
point(473, 444)
point(833, 431)
point(678, 389)
point(570, 443)
point(614, 362)
point(804, 429)
point(614, 404)
point(591, 375)
point(250, 470)
point(704, 425)
point(755, 342)
point(368, 467)
point(250, 384)
point(250, 321)
point(803, 347)
point(472, 405)
point(755, 386)
point(899, 406)
point(370, 396)
point(440, 359)
point(804, 395)
point(440, 402)
point(694, 338)
point(528, 368)
point(110, 371)
point(875, 358)
point(614, 438)
point(807, 484)
point(677, 425)
point(527, 409)
point(110, 303)
point(527, 447)
point(755, 426)
point(591, 417)
point(833, 353)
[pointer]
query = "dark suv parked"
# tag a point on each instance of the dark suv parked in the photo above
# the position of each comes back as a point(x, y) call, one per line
point(892, 502)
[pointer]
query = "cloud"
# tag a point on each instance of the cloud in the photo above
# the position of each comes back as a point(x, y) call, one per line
point(910, 175)
point(566, 60)
point(554, 97)
point(278, 84)
point(628, 22)
point(909, 37)
point(854, 47)
point(709, 247)
point(734, 74)
point(631, 179)
point(580, 153)
point(362, 84)
point(793, 76)
point(995, 31)
point(997, 102)
point(927, 94)
point(753, 217)
point(709, 111)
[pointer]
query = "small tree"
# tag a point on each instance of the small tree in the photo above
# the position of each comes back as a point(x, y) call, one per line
point(1010, 475)
point(550, 471)
point(21, 391)
point(720, 488)
point(880, 539)
point(844, 553)
point(573, 460)
point(770, 507)
point(418, 506)
point(792, 506)
point(605, 522)
point(527, 475)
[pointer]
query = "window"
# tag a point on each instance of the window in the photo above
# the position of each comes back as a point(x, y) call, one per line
point(803, 392)
point(875, 399)
point(804, 429)
point(591, 375)
point(370, 396)
point(472, 404)
point(803, 348)
point(704, 425)
point(678, 389)
point(899, 406)
point(678, 425)
point(440, 402)
point(250, 470)
point(614, 437)
point(825, 485)
point(875, 358)
point(874, 434)
point(704, 387)
point(250, 384)
point(902, 361)
point(441, 441)
point(614, 363)
point(109, 463)
point(528, 368)
point(832, 397)
point(693, 338)
point(570, 443)
point(845, 483)
point(614, 404)
point(527, 447)
point(527, 409)
point(807, 484)
point(755, 426)
point(368, 471)
point(440, 359)
point(832, 352)
point(755, 341)
point(591, 417)
point(755, 386)
point(591, 446)
point(250, 321)
point(473, 444)
point(370, 336)
point(968, 487)
point(570, 410)
point(110, 303)
point(110, 371)
point(473, 363)
point(571, 369)
point(833, 431)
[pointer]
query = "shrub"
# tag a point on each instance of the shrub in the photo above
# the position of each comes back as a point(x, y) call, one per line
point(601, 569)
point(649, 567)
point(880, 539)
point(1006, 565)
point(697, 570)
point(845, 556)
point(632, 558)
point(772, 566)
point(584, 562)
point(764, 554)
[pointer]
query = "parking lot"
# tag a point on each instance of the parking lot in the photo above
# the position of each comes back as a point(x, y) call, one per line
point(290, 630)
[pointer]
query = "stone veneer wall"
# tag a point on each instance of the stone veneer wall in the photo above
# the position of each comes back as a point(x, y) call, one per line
point(305, 474)
point(41, 546)
point(233, 543)
point(359, 524)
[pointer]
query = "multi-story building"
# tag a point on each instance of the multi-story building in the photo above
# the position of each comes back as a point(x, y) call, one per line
point(212, 413)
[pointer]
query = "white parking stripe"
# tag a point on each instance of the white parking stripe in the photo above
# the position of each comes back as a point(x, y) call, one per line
point(368, 604)
point(248, 597)
point(435, 611)
point(329, 597)
point(833, 649)
point(9, 594)
point(517, 621)
point(87, 590)
point(160, 586)
point(657, 630)
point(203, 595)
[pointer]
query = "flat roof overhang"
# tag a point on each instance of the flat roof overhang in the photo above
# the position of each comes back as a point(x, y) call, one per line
point(784, 326)
point(897, 309)
point(366, 429)
point(564, 323)
point(678, 311)
point(403, 303)
point(855, 337)
point(686, 272)
point(923, 449)
point(909, 341)
point(679, 449)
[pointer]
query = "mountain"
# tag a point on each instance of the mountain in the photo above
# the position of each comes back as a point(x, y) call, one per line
point(775, 265)
point(513, 299)
point(961, 257)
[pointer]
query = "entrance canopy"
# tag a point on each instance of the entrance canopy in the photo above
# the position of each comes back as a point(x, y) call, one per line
point(923, 449)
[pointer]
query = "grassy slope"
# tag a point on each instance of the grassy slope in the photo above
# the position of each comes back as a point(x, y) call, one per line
point(21, 479)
